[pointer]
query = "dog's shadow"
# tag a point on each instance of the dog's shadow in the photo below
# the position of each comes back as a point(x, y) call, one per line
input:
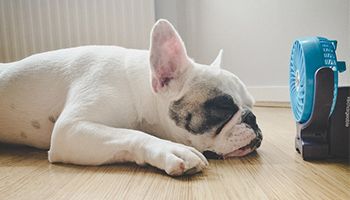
point(19, 156)
point(23, 156)
point(16, 155)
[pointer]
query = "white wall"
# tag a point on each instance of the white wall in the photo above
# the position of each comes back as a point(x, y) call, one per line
point(257, 36)
point(28, 27)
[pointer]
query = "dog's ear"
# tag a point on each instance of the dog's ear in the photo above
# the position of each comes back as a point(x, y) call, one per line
point(168, 58)
point(217, 61)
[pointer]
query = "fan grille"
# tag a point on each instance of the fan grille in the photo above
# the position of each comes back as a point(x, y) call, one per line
point(297, 81)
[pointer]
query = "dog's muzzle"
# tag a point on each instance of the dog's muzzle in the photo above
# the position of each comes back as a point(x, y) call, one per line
point(250, 120)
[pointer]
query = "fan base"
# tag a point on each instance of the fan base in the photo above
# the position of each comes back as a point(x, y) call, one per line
point(322, 135)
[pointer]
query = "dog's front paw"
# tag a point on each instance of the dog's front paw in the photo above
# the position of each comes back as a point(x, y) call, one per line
point(184, 160)
point(177, 159)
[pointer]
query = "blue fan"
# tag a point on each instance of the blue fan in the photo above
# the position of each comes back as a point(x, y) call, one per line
point(307, 56)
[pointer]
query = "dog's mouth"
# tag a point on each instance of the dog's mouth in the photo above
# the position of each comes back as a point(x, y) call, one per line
point(254, 144)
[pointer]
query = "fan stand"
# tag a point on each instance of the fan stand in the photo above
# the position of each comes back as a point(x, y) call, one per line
point(322, 135)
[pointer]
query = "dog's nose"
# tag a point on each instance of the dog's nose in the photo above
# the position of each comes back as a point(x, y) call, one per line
point(249, 118)
point(255, 143)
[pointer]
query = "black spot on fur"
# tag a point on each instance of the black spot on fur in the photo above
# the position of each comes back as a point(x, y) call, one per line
point(52, 119)
point(23, 135)
point(188, 121)
point(36, 124)
point(166, 81)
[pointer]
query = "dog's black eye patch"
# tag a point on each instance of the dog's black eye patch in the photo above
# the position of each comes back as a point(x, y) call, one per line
point(220, 110)
point(224, 102)
point(221, 106)
point(202, 117)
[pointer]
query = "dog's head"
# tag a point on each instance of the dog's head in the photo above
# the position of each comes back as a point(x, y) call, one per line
point(204, 106)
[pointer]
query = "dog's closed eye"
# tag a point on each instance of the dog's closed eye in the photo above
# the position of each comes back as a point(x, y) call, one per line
point(220, 109)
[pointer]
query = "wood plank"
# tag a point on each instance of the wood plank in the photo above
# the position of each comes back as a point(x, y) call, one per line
point(272, 104)
point(274, 171)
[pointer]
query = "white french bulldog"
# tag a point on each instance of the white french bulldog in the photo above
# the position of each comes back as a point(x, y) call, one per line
point(97, 105)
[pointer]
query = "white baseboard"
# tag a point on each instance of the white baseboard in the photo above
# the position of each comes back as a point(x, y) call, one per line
point(273, 94)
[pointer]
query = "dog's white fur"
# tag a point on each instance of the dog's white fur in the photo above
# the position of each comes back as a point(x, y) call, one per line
point(96, 105)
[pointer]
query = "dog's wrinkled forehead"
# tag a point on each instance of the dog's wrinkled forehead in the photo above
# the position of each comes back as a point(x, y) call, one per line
point(204, 108)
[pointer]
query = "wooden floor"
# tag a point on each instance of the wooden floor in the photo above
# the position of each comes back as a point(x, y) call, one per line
point(275, 171)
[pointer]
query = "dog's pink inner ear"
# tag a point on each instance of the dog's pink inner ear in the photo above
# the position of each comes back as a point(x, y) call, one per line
point(168, 56)
point(154, 84)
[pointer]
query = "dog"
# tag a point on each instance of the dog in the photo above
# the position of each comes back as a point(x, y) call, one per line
point(96, 105)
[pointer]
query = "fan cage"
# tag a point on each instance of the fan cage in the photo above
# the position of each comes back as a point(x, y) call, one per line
point(308, 55)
